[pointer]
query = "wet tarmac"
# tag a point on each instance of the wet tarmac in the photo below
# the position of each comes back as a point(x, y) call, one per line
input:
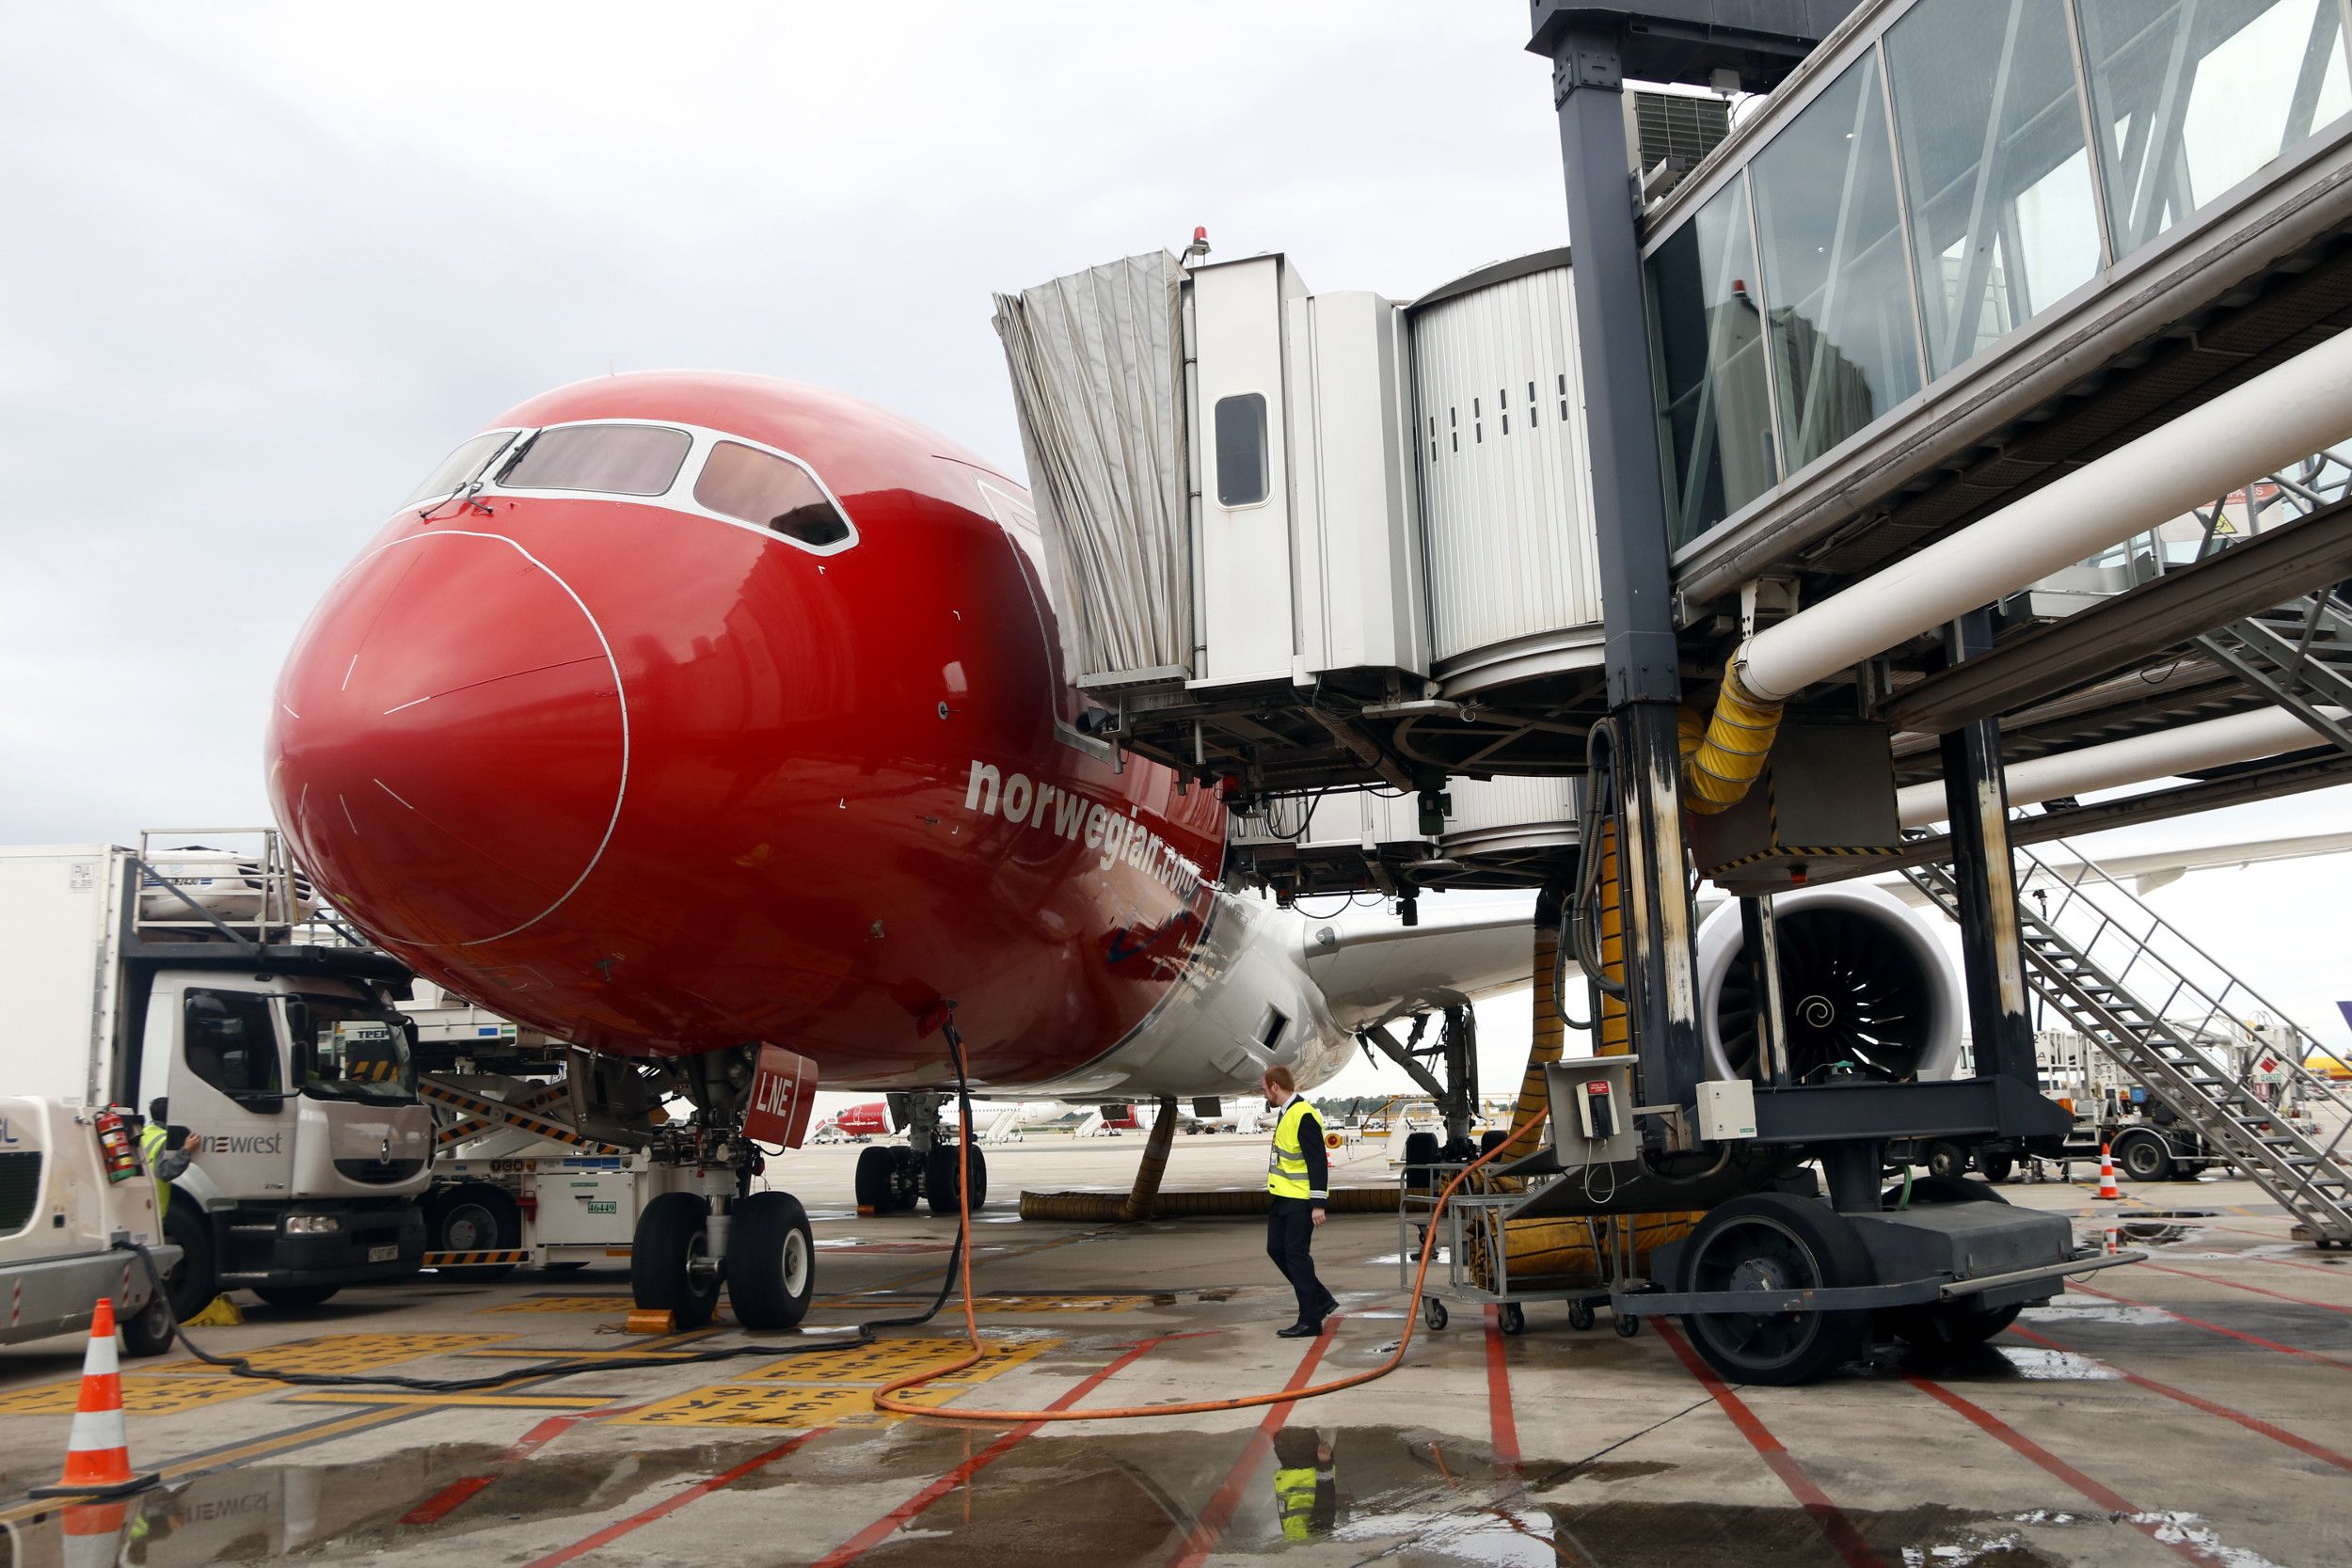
point(2198, 1409)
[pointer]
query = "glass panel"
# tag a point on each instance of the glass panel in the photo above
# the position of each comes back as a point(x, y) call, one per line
point(1241, 465)
point(2192, 96)
point(1707, 355)
point(230, 1042)
point(1844, 348)
point(618, 459)
point(1991, 129)
point(460, 467)
point(759, 487)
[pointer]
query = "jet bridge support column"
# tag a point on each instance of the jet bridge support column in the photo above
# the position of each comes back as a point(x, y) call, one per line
point(1637, 589)
point(1984, 870)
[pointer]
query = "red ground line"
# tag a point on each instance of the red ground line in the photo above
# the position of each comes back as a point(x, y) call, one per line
point(1201, 1540)
point(1503, 1422)
point(891, 1523)
point(670, 1504)
point(439, 1506)
point(2114, 1503)
point(1835, 1525)
point(2251, 1423)
point(2275, 1295)
point(2177, 1314)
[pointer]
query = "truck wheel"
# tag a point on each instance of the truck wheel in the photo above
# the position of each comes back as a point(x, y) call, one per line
point(1946, 1158)
point(1996, 1168)
point(873, 1179)
point(669, 1263)
point(475, 1216)
point(149, 1333)
point(771, 1261)
point(939, 1179)
point(2144, 1157)
point(296, 1297)
point(1775, 1243)
point(191, 1284)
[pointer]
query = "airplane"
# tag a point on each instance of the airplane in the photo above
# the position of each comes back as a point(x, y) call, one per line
point(869, 1120)
point(719, 725)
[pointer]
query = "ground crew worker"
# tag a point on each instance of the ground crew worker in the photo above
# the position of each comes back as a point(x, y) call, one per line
point(1298, 1178)
point(160, 1149)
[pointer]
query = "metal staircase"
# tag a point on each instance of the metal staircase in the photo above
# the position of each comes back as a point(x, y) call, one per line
point(2146, 994)
point(2299, 655)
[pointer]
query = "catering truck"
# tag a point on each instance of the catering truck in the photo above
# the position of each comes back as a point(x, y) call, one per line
point(199, 976)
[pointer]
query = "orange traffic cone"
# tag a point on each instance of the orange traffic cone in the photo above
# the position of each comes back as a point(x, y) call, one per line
point(98, 1453)
point(2109, 1191)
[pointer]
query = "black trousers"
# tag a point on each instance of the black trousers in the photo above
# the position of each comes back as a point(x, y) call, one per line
point(1290, 1231)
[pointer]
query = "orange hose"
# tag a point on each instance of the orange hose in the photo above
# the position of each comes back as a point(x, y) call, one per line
point(883, 1400)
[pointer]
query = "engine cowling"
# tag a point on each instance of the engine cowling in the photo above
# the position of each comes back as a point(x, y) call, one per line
point(1863, 980)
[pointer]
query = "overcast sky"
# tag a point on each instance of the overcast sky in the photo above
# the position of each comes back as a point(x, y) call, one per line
point(261, 266)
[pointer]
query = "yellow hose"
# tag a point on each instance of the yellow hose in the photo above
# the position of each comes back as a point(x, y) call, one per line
point(1723, 755)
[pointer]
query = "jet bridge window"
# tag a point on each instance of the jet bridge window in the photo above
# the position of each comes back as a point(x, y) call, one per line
point(616, 459)
point(1241, 456)
point(774, 491)
point(232, 1043)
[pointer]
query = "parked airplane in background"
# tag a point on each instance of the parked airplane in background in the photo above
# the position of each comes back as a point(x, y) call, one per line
point(688, 717)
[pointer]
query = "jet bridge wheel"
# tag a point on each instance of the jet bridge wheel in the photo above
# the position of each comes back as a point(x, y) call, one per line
point(1775, 1241)
point(771, 1261)
point(1941, 1327)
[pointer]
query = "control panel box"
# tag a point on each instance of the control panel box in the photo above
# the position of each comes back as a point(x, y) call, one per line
point(1726, 1110)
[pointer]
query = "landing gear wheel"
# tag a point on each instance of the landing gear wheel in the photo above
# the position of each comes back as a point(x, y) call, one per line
point(1626, 1324)
point(473, 1216)
point(1775, 1243)
point(1946, 1158)
point(939, 1179)
point(771, 1261)
point(1581, 1316)
point(906, 1180)
point(1420, 1150)
point(149, 1331)
point(873, 1182)
point(297, 1298)
point(1511, 1318)
point(1996, 1168)
point(1433, 1312)
point(670, 1266)
point(2144, 1158)
point(191, 1284)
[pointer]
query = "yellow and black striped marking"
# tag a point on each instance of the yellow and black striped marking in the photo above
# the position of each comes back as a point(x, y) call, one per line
point(469, 1128)
point(477, 1259)
point(508, 1116)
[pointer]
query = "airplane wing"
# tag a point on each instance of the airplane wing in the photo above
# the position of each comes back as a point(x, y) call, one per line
point(1375, 970)
point(2151, 871)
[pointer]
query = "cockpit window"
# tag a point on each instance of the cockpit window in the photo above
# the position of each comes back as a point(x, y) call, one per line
point(461, 466)
point(759, 487)
point(617, 459)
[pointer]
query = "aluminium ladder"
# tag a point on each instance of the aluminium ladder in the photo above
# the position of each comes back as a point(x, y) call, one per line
point(2101, 956)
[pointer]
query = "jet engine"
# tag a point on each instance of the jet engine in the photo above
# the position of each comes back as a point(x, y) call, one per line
point(1865, 987)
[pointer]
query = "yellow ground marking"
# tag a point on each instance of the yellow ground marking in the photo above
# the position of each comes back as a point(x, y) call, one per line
point(490, 1401)
point(143, 1394)
point(259, 1448)
point(350, 1353)
point(889, 1358)
point(617, 1306)
point(772, 1405)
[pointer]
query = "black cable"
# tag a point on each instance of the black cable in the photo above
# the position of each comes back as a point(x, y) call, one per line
point(861, 1334)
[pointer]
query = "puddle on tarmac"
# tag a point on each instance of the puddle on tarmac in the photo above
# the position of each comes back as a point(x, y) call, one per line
point(2086, 1309)
point(266, 1513)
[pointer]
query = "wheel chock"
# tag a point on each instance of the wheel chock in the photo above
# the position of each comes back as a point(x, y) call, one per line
point(220, 1312)
point(650, 1321)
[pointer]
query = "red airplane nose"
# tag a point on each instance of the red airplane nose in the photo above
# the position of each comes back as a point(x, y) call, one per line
point(451, 747)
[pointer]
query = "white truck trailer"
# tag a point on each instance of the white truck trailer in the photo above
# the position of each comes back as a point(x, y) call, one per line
point(187, 976)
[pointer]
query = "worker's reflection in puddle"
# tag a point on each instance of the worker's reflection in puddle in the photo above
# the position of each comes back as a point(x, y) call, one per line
point(1306, 1486)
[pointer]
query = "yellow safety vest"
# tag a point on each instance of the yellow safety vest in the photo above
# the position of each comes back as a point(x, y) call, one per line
point(1286, 1167)
point(152, 1140)
point(1294, 1497)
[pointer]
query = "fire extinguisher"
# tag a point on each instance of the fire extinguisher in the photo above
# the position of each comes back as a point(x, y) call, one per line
point(120, 1154)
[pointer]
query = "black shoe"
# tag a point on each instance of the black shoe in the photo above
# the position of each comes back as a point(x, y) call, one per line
point(1331, 1304)
point(1298, 1331)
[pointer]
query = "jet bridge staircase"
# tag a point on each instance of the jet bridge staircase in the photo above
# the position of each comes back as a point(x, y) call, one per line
point(2147, 995)
point(2299, 655)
